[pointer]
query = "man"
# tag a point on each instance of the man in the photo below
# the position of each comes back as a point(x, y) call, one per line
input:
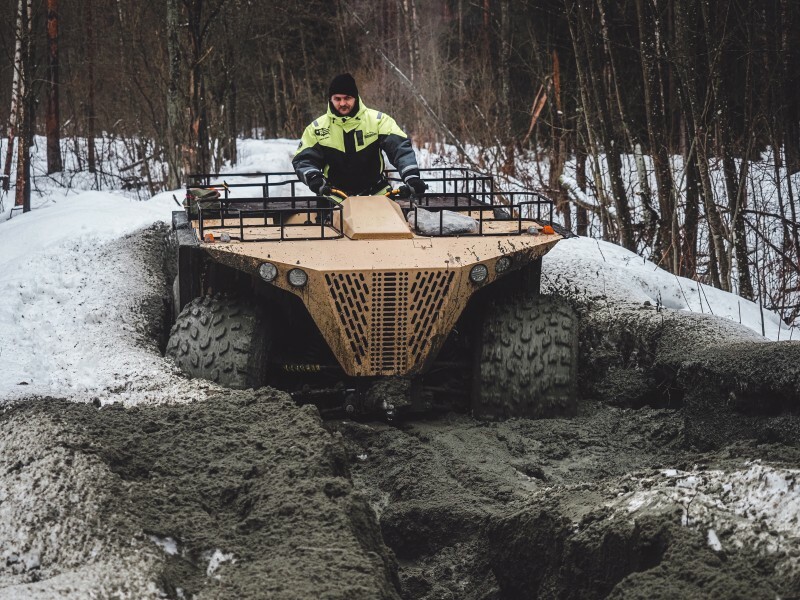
point(342, 148)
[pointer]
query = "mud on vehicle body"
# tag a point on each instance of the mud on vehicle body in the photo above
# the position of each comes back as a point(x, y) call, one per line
point(334, 299)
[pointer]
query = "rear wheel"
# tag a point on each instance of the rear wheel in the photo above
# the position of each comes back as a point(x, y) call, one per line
point(223, 339)
point(526, 365)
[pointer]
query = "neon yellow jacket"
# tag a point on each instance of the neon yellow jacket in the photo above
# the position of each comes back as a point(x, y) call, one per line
point(347, 150)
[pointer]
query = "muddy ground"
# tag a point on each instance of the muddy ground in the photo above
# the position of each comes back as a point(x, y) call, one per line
point(679, 477)
point(247, 495)
point(531, 509)
point(244, 495)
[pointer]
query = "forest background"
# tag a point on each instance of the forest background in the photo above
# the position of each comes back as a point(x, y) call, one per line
point(671, 127)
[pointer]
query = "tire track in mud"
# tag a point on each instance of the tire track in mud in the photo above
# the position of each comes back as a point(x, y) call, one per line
point(532, 509)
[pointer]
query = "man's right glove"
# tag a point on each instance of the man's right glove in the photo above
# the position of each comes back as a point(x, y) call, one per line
point(416, 184)
point(318, 184)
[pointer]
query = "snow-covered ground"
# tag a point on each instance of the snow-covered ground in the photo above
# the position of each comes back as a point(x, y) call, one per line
point(69, 327)
point(605, 269)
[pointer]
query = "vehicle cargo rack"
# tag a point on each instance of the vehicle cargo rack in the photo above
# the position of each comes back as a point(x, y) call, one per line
point(268, 199)
point(236, 216)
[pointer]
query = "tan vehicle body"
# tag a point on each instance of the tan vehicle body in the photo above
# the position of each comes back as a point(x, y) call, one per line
point(383, 297)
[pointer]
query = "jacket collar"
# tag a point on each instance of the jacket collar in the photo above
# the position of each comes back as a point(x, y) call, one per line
point(350, 121)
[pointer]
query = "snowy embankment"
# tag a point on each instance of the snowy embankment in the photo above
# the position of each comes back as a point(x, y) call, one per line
point(72, 287)
point(73, 278)
point(593, 269)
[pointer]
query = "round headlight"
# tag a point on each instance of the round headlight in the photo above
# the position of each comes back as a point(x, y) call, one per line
point(503, 264)
point(268, 272)
point(298, 277)
point(478, 273)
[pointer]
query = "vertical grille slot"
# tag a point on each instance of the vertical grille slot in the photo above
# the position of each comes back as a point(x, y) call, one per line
point(388, 328)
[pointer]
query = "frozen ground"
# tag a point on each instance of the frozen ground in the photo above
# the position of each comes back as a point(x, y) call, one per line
point(185, 491)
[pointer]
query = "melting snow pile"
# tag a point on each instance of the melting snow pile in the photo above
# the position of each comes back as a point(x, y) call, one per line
point(757, 507)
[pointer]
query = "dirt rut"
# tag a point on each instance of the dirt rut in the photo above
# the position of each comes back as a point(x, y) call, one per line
point(552, 509)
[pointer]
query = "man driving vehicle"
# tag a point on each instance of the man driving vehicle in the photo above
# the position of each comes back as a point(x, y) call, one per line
point(342, 148)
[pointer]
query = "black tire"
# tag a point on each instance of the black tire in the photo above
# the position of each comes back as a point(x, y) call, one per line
point(222, 339)
point(527, 360)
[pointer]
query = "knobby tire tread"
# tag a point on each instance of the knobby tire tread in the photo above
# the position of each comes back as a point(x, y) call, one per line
point(527, 364)
point(222, 339)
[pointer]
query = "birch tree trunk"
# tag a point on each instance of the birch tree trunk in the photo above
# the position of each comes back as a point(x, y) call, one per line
point(24, 116)
point(582, 215)
point(16, 94)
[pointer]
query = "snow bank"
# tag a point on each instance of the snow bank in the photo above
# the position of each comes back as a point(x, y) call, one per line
point(600, 269)
point(73, 287)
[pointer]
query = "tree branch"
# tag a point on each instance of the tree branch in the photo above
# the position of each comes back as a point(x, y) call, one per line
point(417, 95)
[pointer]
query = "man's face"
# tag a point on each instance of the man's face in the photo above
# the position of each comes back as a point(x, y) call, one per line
point(342, 103)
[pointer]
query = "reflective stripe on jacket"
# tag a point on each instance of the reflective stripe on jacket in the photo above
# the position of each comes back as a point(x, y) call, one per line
point(347, 150)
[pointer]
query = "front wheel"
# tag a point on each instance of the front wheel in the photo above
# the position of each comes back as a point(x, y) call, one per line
point(526, 365)
point(223, 339)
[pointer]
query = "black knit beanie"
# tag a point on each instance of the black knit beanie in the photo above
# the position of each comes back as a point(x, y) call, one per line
point(343, 84)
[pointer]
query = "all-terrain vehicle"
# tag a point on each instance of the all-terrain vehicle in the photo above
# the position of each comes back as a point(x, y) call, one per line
point(352, 304)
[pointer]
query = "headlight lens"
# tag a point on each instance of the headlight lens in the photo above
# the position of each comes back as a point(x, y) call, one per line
point(298, 277)
point(503, 264)
point(478, 273)
point(268, 272)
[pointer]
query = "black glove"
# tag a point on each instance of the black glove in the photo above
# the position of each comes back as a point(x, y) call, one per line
point(318, 184)
point(416, 184)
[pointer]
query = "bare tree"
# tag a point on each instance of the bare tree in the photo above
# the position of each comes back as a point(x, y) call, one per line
point(667, 238)
point(200, 19)
point(173, 150)
point(91, 115)
point(53, 121)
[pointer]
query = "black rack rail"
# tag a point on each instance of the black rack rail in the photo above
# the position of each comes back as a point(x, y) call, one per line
point(269, 201)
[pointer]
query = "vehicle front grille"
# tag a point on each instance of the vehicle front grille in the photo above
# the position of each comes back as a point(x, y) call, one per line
point(350, 293)
point(388, 317)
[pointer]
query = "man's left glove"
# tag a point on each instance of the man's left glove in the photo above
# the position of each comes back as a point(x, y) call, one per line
point(318, 184)
point(416, 184)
